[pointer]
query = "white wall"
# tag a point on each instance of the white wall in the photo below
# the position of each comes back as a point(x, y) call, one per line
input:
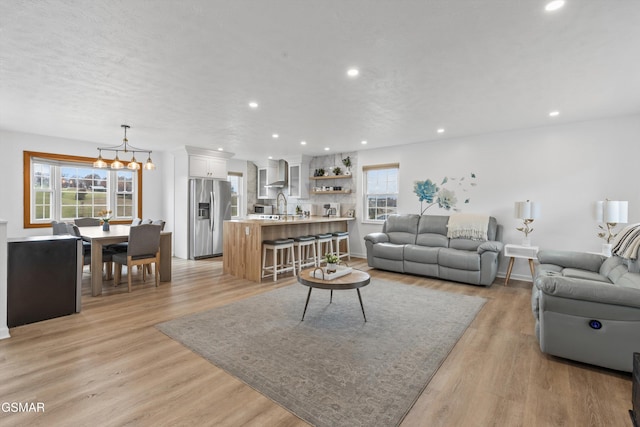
point(566, 168)
point(14, 143)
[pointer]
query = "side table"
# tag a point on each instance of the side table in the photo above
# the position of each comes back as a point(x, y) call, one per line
point(519, 251)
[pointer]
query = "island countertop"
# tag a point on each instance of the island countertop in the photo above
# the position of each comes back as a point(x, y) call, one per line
point(242, 239)
point(291, 220)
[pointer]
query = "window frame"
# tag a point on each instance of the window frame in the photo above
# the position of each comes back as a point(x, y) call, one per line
point(29, 156)
point(365, 191)
point(240, 192)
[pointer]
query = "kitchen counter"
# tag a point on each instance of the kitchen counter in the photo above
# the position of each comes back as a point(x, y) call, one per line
point(242, 239)
point(291, 219)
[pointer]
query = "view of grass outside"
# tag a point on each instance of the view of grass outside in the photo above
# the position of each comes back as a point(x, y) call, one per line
point(83, 192)
point(80, 192)
point(75, 204)
point(43, 204)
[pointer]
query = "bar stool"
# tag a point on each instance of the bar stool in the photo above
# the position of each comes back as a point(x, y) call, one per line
point(337, 237)
point(325, 245)
point(278, 248)
point(304, 246)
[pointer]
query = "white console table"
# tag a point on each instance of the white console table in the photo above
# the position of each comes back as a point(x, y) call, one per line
point(519, 251)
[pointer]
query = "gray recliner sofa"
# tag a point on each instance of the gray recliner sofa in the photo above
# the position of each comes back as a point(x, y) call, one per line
point(587, 308)
point(418, 244)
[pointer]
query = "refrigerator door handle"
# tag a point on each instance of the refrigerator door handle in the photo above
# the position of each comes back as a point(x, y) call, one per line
point(212, 210)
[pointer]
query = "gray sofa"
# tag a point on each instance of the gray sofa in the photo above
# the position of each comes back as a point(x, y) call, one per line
point(419, 245)
point(587, 308)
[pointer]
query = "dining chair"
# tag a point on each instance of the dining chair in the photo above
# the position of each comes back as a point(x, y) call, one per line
point(159, 222)
point(86, 222)
point(136, 221)
point(107, 253)
point(143, 249)
point(61, 228)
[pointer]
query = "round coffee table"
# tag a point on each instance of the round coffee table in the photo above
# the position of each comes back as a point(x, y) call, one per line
point(354, 280)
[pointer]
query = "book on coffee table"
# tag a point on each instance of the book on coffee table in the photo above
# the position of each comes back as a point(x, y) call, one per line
point(321, 272)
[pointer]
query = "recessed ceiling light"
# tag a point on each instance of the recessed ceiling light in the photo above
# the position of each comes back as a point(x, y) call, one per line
point(353, 72)
point(275, 136)
point(253, 104)
point(441, 130)
point(326, 148)
point(554, 113)
point(270, 157)
point(303, 142)
point(554, 5)
point(220, 149)
point(363, 142)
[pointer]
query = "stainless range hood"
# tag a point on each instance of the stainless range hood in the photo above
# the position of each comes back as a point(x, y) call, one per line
point(282, 176)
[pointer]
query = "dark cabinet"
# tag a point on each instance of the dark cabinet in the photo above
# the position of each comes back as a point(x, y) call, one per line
point(44, 276)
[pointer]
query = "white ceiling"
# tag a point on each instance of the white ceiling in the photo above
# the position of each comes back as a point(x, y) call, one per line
point(182, 72)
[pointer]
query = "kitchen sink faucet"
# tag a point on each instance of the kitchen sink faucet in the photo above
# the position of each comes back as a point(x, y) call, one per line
point(285, 203)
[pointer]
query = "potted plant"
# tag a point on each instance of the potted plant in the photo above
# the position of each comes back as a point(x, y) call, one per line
point(105, 216)
point(347, 164)
point(337, 170)
point(332, 262)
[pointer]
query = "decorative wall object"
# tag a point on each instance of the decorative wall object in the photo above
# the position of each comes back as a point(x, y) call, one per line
point(444, 196)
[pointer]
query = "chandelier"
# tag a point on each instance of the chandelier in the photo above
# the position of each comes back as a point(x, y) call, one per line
point(125, 147)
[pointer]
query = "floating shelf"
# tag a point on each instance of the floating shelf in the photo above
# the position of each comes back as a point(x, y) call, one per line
point(332, 192)
point(331, 177)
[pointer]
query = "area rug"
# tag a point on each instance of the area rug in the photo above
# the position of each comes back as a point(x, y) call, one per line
point(333, 369)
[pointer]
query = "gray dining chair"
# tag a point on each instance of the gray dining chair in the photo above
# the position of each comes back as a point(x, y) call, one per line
point(61, 228)
point(86, 222)
point(143, 249)
point(159, 222)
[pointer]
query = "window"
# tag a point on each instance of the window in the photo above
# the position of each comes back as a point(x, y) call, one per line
point(381, 191)
point(235, 179)
point(62, 188)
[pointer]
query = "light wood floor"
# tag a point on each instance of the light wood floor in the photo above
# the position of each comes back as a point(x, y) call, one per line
point(110, 366)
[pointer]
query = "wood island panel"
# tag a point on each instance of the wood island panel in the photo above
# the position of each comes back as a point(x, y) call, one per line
point(242, 240)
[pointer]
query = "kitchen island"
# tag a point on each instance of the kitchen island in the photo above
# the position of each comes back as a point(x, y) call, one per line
point(242, 239)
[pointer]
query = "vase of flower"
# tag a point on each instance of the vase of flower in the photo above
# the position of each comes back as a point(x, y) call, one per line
point(332, 263)
point(105, 216)
point(347, 164)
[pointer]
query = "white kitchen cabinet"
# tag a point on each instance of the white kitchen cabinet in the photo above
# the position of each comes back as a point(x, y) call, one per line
point(267, 173)
point(298, 186)
point(207, 167)
point(299, 180)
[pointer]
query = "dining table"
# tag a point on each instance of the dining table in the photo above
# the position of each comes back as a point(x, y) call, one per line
point(118, 233)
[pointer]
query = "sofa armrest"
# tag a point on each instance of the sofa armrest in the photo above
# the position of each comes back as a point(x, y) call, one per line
point(376, 238)
point(587, 290)
point(491, 246)
point(569, 259)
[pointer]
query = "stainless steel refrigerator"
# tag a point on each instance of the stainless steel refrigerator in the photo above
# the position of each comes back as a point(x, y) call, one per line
point(209, 206)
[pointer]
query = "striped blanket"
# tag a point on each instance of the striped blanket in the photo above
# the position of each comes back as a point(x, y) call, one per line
point(627, 242)
point(468, 226)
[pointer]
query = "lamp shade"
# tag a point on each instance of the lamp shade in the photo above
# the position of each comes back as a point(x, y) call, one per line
point(527, 210)
point(612, 211)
